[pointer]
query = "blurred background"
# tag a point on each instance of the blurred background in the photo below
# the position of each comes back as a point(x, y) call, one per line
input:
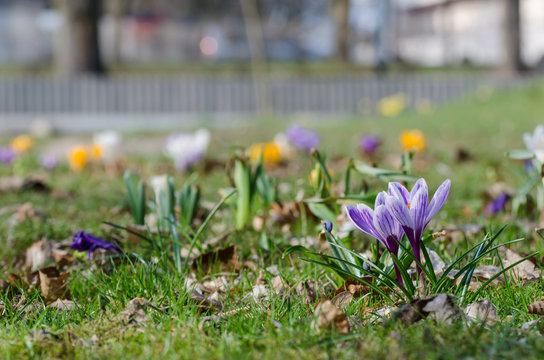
point(149, 64)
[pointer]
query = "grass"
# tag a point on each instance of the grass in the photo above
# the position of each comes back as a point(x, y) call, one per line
point(280, 327)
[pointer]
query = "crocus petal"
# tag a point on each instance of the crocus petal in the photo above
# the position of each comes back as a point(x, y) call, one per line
point(362, 216)
point(83, 241)
point(380, 199)
point(400, 211)
point(438, 200)
point(420, 184)
point(399, 191)
point(384, 223)
point(418, 210)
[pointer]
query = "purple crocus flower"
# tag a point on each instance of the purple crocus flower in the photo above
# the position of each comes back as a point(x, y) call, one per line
point(48, 161)
point(413, 211)
point(7, 155)
point(369, 143)
point(497, 205)
point(301, 138)
point(380, 224)
point(83, 241)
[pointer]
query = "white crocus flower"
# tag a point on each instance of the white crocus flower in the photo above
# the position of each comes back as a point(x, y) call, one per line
point(287, 151)
point(535, 142)
point(159, 184)
point(108, 143)
point(187, 149)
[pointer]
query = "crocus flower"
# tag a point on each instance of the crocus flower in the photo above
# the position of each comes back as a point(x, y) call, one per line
point(77, 158)
point(270, 152)
point(287, 151)
point(412, 140)
point(301, 138)
point(535, 142)
point(22, 143)
point(413, 211)
point(497, 205)
point(106, 146)
point(7, 155)
point(378, 223)
point(83, 241)
point(187, 149)
point(392, 105)
point(369, 143)
point(48, 161)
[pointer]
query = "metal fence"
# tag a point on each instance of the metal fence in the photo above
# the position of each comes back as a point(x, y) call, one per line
point(119, 99)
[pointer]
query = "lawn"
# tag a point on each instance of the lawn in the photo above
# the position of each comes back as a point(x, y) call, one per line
point(238, 288)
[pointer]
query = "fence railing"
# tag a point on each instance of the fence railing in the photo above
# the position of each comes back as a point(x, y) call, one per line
point(220, 95)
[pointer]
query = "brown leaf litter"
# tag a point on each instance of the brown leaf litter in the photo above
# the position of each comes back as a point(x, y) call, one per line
point(441, 307)
point(482, 311)
point(327, 316)
point(52, 283)
point(134, 312)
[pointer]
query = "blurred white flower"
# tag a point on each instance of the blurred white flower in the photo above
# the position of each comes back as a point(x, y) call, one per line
point(159, 184)
point(535, 142)
point(187, 149)
point(41, 128)
point(106, 146)
point(287, 151)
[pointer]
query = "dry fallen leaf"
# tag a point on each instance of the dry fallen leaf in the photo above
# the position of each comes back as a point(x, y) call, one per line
point(354, 287)
point(53, 283)
point(342, 299)
point(205, 303)
point(260, 293)
point(536, 308)
point(63, 305)
point(307, 290)
point(483, 311)
point(38, 254)
point(441, 307)
point(225, 259)
point(135, 311)
point(327, 315)
point(524, 271)
point(279, 284)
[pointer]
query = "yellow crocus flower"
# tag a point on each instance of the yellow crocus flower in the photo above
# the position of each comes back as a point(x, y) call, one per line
point(270, 152)
point(77, 158)
point(392, 105)
point(412, 140)
point(22, 143)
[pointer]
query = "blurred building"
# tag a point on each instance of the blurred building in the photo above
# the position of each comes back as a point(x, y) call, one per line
point(453, 32)
point(421, 32)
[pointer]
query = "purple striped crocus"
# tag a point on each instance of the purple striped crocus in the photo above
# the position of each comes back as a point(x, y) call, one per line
point(380, 224)
point(413, 211)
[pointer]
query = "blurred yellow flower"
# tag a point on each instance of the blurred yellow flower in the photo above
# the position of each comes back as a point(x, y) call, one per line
point(392, 105)
point(22, 143)
point(412, 140)
point(270, 150)
point(96, 152)
point(77, 158)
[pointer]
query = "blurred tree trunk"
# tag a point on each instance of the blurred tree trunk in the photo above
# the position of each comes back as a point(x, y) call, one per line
point(77, 48)
point(512, 37)
point(340, 15)
point(118, 8)
point(259, 69)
